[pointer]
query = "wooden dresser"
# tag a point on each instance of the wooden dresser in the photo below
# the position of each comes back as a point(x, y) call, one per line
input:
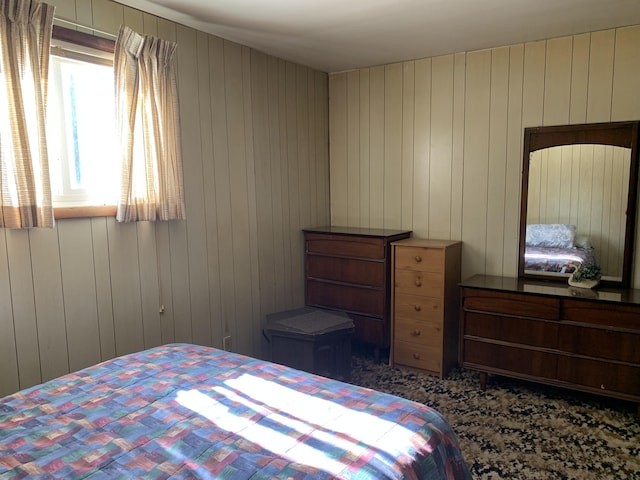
point(587, 340)
point(349, 269)
point(425, 304)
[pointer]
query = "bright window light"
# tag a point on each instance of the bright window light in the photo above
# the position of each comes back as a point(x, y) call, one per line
point(83, 160)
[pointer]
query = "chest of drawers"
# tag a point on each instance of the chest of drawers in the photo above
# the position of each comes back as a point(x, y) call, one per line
point(348, 269)
point(425, 304)
point(574, 338)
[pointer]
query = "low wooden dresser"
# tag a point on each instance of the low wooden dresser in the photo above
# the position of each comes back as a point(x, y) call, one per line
point(582, 339)
point(425, 304)
point(349, 269)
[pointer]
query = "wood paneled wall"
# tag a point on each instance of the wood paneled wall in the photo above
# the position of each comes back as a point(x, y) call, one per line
point(435, 145)
point(254, 135)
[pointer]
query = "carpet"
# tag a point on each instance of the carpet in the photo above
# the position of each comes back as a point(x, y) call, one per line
point(517, 429)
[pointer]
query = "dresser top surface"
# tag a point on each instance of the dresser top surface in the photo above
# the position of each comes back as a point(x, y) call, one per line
point(518, 285)
point(425, 242)
point(358, 231)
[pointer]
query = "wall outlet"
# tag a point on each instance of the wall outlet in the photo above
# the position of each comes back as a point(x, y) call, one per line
point(226, 343)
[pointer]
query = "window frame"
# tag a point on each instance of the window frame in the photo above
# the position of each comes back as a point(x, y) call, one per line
point(97, 43)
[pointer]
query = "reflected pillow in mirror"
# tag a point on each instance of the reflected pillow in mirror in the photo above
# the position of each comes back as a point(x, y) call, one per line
point(557, 235)
point(584, 242)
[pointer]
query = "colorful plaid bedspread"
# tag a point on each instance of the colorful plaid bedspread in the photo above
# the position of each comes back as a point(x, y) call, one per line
point(186, 411)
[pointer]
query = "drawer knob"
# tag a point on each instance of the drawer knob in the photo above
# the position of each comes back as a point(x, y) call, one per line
point(416, 333)
point(418, 282)
point(417, 308)
point(602, 387)
point(418, 258)
point(416, 356)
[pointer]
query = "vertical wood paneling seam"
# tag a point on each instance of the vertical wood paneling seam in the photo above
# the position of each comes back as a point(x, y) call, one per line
point(573, 42)
point(487, 180)
point(95, 289)
point(226, 121)
point(274, 129)
point(452, 152)
point(346, 145)
point(544, 77)
point(463, 122)
point(506, 158)
point(113, 310)
point(429, 149)
point(210, 253)
point(13, 315)
point(384, 141)
point(196, 75)
point(247, 139)
point(269, 146)
point(63, 304)
point(35, 305)
point(613, 70)
point(368, 147)
point(413, 143)
point(140, 286)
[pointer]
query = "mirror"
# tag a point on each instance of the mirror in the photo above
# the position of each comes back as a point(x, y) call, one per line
point(578, 202)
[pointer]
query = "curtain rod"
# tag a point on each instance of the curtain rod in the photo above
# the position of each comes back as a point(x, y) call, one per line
point(75, 24)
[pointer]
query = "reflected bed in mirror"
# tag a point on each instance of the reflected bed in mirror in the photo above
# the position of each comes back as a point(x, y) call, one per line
point(579, 200)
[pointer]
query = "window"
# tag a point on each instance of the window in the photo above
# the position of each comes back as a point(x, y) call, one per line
point(83, 158)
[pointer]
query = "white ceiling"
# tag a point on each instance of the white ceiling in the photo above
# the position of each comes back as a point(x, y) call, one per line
point(338, 35)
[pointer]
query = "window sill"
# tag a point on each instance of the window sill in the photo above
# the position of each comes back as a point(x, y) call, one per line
point(84, 212)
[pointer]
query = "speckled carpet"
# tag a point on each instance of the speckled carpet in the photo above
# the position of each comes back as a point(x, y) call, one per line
point(520, 430)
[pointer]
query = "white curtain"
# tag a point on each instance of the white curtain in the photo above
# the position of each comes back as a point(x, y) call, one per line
point(148, 128)
point(25, 37)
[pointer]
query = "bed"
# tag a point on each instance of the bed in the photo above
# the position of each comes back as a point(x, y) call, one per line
point(556, 260)
point(555, 249)
point(188, 411)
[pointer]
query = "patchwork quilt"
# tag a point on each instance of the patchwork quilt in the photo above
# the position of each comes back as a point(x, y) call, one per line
point(556, 260)
point(185, 411)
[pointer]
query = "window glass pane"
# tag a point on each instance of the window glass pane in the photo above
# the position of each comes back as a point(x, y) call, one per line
point(81, 132)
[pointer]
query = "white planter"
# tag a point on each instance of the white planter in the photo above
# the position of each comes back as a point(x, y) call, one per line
point(584, 283)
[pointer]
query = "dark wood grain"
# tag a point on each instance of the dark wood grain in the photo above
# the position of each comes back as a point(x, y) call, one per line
point(349, 269)
point(548, 335)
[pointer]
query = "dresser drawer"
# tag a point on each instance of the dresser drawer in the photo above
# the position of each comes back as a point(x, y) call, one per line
point(599, 313)
point(509, 358)
point(600, 343)
point(419, 283)
point(600, 375)
point(344, 245)
point(426, 309)
point(537, 333)
point(516, 304)
point(422, 333)
point(348, 270)
point(420, 259)
point(417, 356)
point(363, 300)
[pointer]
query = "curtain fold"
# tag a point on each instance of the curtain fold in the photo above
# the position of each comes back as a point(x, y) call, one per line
point(25, 188)
point(148, 128)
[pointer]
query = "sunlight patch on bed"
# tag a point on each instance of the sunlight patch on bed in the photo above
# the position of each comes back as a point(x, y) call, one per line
point(333, 426)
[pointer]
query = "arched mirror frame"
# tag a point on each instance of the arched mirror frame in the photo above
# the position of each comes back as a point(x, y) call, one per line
point(623, 134)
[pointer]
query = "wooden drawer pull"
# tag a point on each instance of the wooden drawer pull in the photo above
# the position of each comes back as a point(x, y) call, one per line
point(417, 308)
point(418, 258)
point(416, 356)
point(602, 387)
point(416, 333)
point(418, 282)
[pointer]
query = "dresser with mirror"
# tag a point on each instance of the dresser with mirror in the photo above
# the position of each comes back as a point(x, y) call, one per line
point(578, 204)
